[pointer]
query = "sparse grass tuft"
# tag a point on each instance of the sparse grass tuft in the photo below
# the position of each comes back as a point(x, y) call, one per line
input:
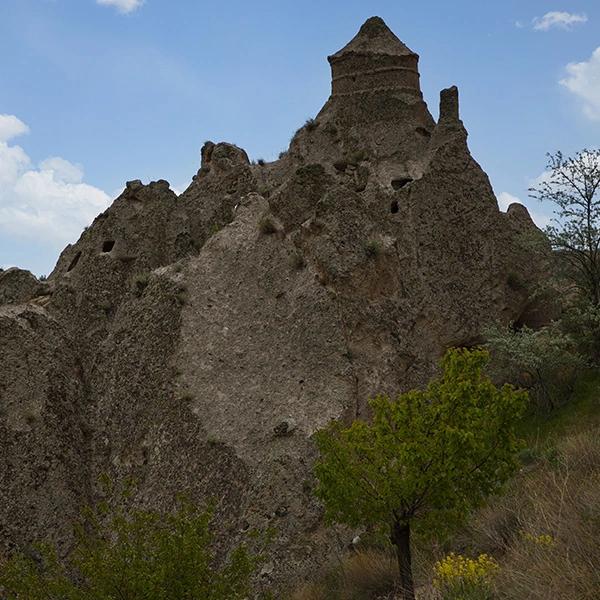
point(311, 124)
point(373, 249)
point(267, 226)
point(515, 281)
point(357, 157)
point(297, 261)
point(362, 576)
point(140, 283)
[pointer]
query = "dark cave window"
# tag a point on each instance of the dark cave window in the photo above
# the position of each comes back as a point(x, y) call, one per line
point(74, 262)
point(399, 183)
point(108, 245)
point(394, 207)
point(424, 132)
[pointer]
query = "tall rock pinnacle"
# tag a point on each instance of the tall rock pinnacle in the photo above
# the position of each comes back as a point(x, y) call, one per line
point(375, 58)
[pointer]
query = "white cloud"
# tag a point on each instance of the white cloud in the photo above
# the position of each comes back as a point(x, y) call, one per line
point(583, 80)
point(50, 203)
point(559, 20)
point(123, 6)
point(11, 127)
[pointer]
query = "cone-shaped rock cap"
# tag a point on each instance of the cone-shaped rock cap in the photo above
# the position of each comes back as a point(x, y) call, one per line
point(374, 37)
point(374, 60)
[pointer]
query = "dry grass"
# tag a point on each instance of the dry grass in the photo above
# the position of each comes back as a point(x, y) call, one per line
point(545, 530)
point(362, 576)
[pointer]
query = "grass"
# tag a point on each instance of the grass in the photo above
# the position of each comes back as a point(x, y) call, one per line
point(266, 226)
point(372, 249)
point(140, 283)
point(311, 124)
point(297, 261)
point(543, 531)
point(362, 576)
point(580, 413)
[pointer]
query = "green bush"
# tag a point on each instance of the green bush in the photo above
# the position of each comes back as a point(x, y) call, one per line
point(545, 362)
point(144, 555)
point(582, 323)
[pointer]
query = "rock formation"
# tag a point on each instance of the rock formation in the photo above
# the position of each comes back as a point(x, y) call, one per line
point(196, 342)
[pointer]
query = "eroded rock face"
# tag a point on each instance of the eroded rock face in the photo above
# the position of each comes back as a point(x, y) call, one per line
point(18, 286)
point(196, 342)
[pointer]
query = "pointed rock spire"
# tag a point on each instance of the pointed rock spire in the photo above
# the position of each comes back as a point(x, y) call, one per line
point(374, 60)
point(374, 37)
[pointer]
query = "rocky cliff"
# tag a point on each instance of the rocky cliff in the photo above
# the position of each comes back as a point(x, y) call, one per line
point(196, 342)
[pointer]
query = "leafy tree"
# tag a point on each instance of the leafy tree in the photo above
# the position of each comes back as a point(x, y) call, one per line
point(142, 556)
point(546, 361)
point(426, 459)
point(572, 184)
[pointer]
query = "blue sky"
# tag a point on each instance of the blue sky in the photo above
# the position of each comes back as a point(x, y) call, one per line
point(97, 92)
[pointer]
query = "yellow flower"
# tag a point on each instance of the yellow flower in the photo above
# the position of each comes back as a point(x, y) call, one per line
point(456, 570)
point(544, 539)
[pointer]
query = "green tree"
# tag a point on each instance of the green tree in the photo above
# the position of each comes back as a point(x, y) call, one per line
point(573, 185)
point(144, 555)
point(545, 362)
point(426, 459)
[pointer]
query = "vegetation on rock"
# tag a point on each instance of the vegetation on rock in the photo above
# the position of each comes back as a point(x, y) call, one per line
point(134, 556)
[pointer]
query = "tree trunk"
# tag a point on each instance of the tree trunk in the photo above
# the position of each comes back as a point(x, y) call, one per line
point(401, 539)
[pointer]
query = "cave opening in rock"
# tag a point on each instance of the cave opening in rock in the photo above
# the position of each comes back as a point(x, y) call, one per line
point(394, 207)
point(108, 245)
point(400, 182)
point(74, 262)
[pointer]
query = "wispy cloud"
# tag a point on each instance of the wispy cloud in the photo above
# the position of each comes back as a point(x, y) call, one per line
point(558, 20)
point(123, 6)
point(583, 81)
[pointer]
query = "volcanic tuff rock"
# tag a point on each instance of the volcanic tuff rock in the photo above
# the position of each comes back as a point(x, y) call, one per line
point(196, 342)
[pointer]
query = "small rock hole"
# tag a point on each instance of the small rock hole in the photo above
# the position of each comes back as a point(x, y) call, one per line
point(424, 132)
point(399, 183)
point(108, 245)
point(394, 207)
point(74, 262)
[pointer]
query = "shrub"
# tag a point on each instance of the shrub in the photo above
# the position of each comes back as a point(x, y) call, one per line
point(140, 283)
point(297, 261)
point(582, 323)
point(261, 162)
point(311, 124)
point(266, 226)
point(460, 578)
point(357, 157)
point(141, 555)
point(545, 362)
point(373, 248)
